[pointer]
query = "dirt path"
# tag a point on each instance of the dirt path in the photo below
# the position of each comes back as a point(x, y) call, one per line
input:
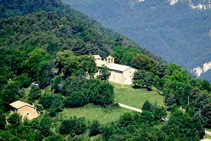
point(138, 110)
point(131, 108)
point(208, 133)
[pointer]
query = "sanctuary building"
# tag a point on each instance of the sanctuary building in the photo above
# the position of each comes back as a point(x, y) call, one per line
point(119, 73)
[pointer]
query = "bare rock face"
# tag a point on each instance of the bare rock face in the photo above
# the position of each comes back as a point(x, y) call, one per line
point(199, 5)
point(198, 70)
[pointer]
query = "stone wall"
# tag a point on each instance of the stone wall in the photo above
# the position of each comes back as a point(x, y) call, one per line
point(128, 76)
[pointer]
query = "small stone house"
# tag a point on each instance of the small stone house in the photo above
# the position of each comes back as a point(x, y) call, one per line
point(24, 109)
point(119, 73)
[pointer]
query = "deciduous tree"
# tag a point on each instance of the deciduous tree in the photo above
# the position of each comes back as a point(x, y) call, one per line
point(34, 93)
point(143, 79)
point(94, 128)
point(143, 62)
point(104, 73)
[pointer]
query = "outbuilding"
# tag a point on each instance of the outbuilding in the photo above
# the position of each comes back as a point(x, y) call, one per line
point(24, 109)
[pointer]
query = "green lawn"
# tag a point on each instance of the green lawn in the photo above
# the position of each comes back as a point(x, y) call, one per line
point(208, 129)
point(207, 136)
point(127, 95)
point(92, 112)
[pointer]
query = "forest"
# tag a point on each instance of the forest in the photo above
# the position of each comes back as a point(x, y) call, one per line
point(177, 33)
point(16, 8)
point(54, 50)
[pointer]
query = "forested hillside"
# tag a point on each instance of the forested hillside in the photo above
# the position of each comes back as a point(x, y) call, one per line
point(14, 7)
point(176, 32)
point(206, 75)
point(45, 60)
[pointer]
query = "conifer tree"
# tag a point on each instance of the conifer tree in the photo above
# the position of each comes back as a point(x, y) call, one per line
point(147, 106)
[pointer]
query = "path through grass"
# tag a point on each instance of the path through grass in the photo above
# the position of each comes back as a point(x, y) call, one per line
point(127, 95)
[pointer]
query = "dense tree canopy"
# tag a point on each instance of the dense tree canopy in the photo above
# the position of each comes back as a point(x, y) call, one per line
point(104, 73)
point(143, 62)
point(143, 78)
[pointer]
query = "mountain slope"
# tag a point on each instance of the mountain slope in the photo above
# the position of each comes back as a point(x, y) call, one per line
point(14, 7)
point(177, 32)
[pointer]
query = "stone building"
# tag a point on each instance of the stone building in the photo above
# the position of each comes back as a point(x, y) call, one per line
point(24, 109)
point(119, 73)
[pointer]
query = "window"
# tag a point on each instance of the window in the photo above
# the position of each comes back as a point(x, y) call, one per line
point(27, 114)
point(125, 78)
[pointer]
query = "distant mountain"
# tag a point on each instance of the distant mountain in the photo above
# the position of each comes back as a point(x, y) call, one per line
point(12, 8)
point(177, 30)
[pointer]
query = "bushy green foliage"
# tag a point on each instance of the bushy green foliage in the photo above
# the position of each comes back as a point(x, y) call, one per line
point(23, 79)
point(10, 94)
point(72, 84)
point(146, 118)
point(142, 125)
point(46, 100)
point(73, 126)
point(2, 119)
point(183, 127)
point(104, 73)
point(34, 93)
point(105, 95)
point(87, 63)
point(68, 63)
point(147, 106)
point(178, 85)
point(14, 120)
point(57, 104)
point(45, 125)
point(57, 84)
point(159, 112)
point(94, 128)
point(171, 100)
point(143, 62)
point(143, 78)
point(58, 137)
point(26, 129)
point(79, 92)
point(76, 99)
point(68, 126)
point(124, 56)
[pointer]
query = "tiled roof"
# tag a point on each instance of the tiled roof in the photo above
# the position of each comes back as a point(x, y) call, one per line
point(109, 56)
point(117, 67)
point(18, 104)
point(96, 56)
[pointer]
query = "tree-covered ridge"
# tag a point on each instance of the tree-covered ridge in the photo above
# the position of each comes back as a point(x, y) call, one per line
point(177, 33)
point(14, 8)
point(52, 33)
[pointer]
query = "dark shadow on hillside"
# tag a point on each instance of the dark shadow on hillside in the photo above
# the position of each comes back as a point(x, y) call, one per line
point(59, 110)
point(55, 113)
point(139, 87)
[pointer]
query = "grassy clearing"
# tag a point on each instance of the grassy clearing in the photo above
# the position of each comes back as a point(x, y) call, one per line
point(208, 129)
point(127, 95)
point(207, 136)
point(92, 112)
